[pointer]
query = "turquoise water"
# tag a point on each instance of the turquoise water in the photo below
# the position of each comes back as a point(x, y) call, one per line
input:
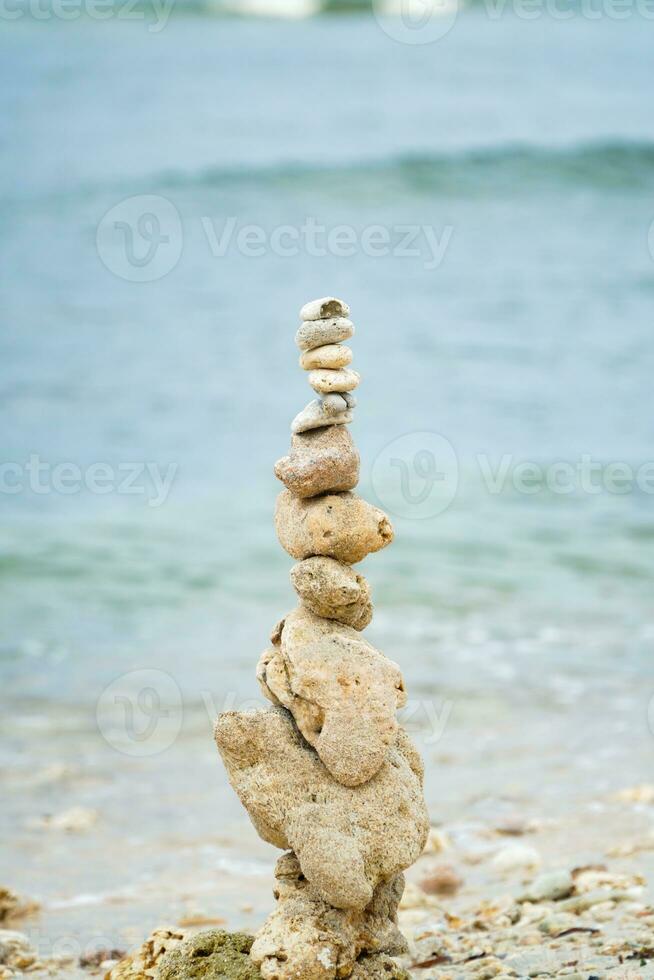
point(527, 147)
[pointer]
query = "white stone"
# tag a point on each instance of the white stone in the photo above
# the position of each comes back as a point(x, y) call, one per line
point(313, 416)
point(323, 308)
point(320, 333)
point(334, 404)
point(326, 381)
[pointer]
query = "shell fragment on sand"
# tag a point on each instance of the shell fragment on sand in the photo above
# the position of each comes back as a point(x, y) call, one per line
point(326, 381)
point(324, 308)
point(320, 333)
point(314, 416)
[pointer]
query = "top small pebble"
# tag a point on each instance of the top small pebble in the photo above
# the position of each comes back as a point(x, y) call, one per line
point(323, 309)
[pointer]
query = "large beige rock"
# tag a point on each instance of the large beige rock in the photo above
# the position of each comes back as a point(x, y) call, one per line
point(306, 938)
point(331, 589)
point(320, 460)
point(339, 525)
point(342, 693)
point(347, 839)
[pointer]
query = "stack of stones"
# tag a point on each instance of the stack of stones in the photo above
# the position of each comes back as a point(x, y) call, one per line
point(326, 773)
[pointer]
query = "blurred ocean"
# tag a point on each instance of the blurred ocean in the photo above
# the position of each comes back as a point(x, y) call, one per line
point(527, 146)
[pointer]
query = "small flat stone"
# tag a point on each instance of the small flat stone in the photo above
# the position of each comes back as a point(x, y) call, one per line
point(320, 333)
point(334, 404)
point(326, 381)
point(314, 416)
point(327, 356)
point(320, 460)
point(349, 398)
point(323, 308)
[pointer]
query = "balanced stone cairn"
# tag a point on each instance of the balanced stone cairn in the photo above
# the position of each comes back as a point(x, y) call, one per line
point(326, 773)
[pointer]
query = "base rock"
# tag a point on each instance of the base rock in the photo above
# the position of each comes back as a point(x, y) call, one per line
point(347, 839)
point(304, 937)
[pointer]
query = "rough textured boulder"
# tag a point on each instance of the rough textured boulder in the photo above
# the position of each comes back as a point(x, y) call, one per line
point(343, 694)
point(338, 525)
point(320, 460)
point(347, 839)
point(331, 589)
point(211, 955)
point(304, 937)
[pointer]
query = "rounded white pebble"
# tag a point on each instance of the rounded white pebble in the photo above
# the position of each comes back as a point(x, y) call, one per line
point(319, 333)
point(326, 381)
point(321, 309)
point(515, 856)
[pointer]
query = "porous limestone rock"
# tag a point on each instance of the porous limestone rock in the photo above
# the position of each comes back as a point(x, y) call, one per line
point(328, 356)
point(319, 333)
point(378, 966)
point(332, 589)
point(339, 525)
point(326, 306)
point(314, 415)
point(143, 963)
point(320, 460)
point(341, 691)
point(210, 955)
point(347, 839)
point(327, 381)
point(306, 938)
